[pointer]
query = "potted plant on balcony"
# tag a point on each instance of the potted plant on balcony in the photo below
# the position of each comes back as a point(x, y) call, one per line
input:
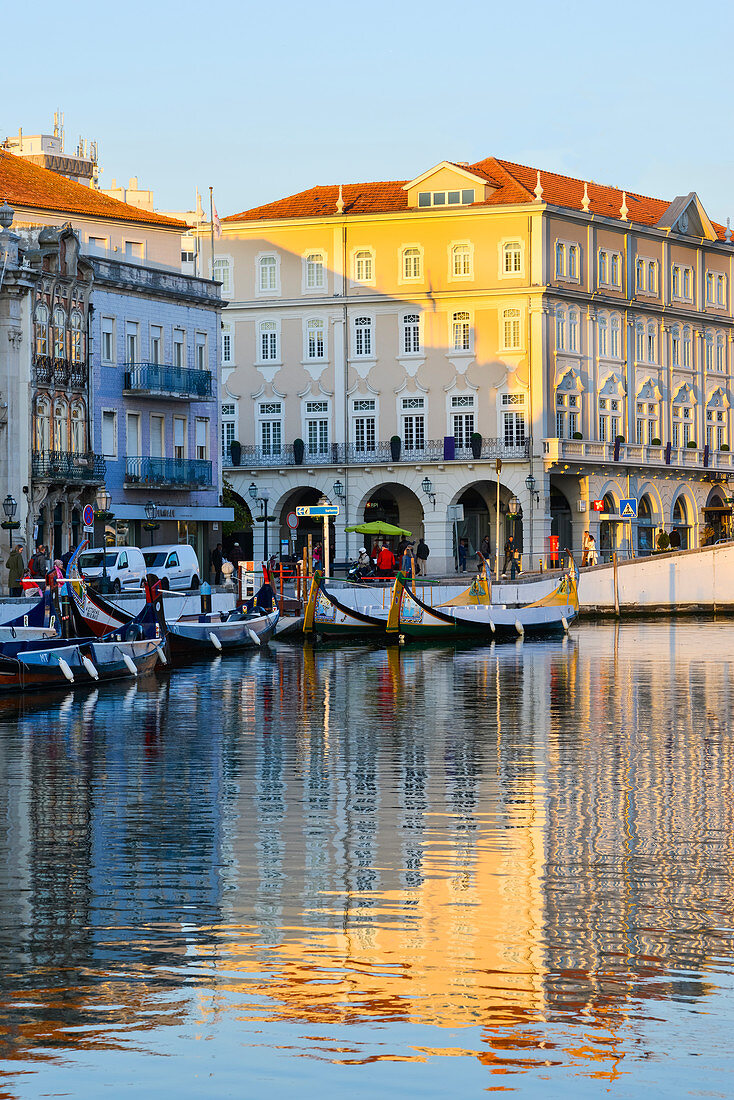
point(298, 448)
point(656, 442)
point(235, 449)
point(724, 447)
point(692, 444)
point(475, 442)
point(395, 446)
point(577, 435)
point(619, 439)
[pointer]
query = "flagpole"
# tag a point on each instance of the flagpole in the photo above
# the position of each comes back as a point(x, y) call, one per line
point(211, 223)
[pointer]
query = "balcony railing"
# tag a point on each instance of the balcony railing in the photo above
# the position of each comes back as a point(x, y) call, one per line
point(68, 466)
point(60, 372)
point(635, 454)
point(156, 380)
point(336, 454)
point(143, 472)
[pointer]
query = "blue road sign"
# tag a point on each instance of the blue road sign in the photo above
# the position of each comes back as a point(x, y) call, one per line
point(628, 508)
point(88, 515)
point(318, 510)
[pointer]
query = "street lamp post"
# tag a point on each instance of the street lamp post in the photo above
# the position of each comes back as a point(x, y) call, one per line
point(104, 514)
point(151, 511)
point(530, 484)
point(262, 499)
point(10, 507)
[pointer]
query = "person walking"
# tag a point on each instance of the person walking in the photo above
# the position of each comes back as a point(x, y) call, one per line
point(421, 557)
point(585, 549)
point(407, 558)
point(509, 551)
point(318, 556)
point(39, 563)
point(485, 548)
point(462, 555)
point(591, 555)
point(385, 562)
point(16, 568)
point(217, 559)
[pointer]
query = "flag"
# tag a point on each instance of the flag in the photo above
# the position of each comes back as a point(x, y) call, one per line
point(216, 222)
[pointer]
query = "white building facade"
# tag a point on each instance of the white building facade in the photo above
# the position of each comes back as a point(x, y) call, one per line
point(387, 345)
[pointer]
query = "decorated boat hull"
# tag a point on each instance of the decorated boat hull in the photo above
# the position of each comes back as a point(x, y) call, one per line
point(411, 617)
point(329, 617)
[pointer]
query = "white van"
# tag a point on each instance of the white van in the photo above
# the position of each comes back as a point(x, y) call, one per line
point(125, 566)
point(175, 566)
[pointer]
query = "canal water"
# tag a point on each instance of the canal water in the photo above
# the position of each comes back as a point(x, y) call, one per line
point(345, 871)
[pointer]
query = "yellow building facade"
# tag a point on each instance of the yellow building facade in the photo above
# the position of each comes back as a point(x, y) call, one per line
point(385, 344)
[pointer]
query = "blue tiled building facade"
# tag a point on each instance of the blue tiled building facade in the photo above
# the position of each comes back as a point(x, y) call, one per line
point(155, 338)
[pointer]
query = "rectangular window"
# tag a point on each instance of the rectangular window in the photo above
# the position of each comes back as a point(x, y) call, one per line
point(222, 273)
point(201, 356)
point(131, 342)
point(463, 426)
point(226, 345)
point(108, 340)
point(511, 329)
point(414, 433)
point(156, 344)
point(228, 427)
point(721, 290)
point(315, 340)
point(179, 348)
point(317, 436)
point(202, 438)
point(133, 434)
point(271, 437)
point(134, 250)
point(411, 343)
point(98, 246)
point(157, 436)
point(461, 332)
point(710, 288)
point(315, 277)
point(615, 269)
point(363, 336)
point(514, 429)
point(179, 437)
point(109, 434)
point(573, 261)
point(364, 433)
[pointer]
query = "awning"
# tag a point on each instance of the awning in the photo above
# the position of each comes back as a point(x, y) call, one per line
point(726, 508)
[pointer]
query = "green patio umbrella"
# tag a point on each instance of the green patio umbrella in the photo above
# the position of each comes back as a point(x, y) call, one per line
point(378, 527)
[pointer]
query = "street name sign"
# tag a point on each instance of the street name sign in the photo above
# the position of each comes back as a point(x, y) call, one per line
point(318, 510)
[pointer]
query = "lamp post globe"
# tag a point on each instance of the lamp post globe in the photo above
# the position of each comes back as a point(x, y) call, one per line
point(10, 507)
point(253, 490)
point(530, 483)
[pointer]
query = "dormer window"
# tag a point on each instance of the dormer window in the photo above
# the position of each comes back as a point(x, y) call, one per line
point(446, 198)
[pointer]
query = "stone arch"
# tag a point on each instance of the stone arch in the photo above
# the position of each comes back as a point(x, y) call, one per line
point(396, 503)
point(649, 517)
point(683, 512)
point(292, 498)
point(717, 516)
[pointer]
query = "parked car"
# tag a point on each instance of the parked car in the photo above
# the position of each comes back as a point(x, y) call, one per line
point(175, 566)
point(124, 565)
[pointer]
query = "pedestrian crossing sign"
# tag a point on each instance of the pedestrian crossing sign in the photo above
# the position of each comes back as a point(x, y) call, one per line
point(628, 508)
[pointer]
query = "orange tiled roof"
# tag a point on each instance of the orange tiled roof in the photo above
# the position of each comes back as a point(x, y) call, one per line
point(513, 183)
point(25, 184)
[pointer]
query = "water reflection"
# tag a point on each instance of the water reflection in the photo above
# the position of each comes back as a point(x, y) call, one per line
point(518, 857)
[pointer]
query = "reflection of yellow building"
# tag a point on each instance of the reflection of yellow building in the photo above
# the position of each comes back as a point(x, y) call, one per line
point(549, 315)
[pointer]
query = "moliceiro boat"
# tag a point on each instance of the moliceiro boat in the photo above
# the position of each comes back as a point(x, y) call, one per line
point(472, 615)
point(331, 616)
point(135, 648)
point(189, 635)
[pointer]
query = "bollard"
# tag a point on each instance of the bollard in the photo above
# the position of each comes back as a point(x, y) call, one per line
point(206, 598)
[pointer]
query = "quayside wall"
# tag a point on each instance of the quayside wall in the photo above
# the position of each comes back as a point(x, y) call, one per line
point(681, 581)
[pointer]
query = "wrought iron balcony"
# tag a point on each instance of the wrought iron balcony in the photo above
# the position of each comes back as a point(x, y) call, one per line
point(156, 380)
point(60, 372)
point(144, 472)
point(68, 466)
point(336, 454)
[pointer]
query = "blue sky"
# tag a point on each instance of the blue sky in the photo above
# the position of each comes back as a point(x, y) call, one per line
point(265, 100)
